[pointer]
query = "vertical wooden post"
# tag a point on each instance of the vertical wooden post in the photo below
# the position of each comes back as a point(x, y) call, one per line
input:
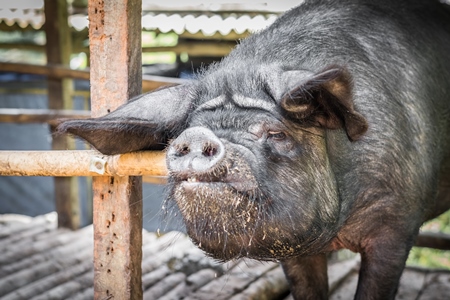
point(58, 50)
point(116, 76)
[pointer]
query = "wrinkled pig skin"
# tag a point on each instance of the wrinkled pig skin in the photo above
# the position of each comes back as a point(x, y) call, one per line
point(327, 130)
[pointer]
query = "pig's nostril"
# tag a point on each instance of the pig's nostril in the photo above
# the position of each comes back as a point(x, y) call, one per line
point(184, 150)
point(209, 150)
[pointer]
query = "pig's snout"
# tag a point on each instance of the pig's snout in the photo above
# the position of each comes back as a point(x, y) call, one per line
point(196, 150)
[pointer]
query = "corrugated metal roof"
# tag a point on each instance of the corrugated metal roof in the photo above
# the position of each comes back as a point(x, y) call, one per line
point(22, 17)
point(220, 5)
point(207, 17)
point(208, 25)
point(181, 5)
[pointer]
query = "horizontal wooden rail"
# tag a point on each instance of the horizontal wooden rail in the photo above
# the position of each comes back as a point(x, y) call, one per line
point(149, 82)
point(22, 115)
point(435, 240)
point(56, 71)
point(211, 49)
point(81, 163)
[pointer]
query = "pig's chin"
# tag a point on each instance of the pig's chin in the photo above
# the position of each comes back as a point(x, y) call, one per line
point(218, 218)
point(227, 223)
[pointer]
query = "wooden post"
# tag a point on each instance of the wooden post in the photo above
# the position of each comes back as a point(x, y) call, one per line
point(116, 76)
point(58, 50)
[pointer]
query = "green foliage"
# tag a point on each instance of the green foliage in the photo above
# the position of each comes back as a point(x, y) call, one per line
point(441, 223)
point(158, 57)
point(432, 258)
point(151, 39)
point(429, 258)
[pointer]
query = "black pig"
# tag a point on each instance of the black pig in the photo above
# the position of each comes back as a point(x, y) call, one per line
point(327, 130)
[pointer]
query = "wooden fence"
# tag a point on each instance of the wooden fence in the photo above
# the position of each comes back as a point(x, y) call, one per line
point(115, 76)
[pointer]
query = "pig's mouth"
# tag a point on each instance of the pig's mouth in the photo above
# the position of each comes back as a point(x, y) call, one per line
point(237, 182)
point(231, 172)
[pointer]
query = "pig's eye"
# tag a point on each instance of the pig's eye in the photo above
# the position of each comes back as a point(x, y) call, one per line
point(276, 135)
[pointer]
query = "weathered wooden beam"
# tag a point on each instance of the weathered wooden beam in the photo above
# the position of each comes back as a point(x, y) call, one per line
point(58, 50)
point(154, 179)
point(435, 240)
point(81, 163)
point(37, 48)
point(7, 89)
point(149, 82)
point(212, 49)
point(50, 70)
point(50, 116)
point(116, 76)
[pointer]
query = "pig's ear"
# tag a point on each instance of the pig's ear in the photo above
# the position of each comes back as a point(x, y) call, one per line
point(323, 99)
point(146, 122)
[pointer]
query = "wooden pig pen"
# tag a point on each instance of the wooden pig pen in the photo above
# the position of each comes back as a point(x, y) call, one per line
point(115, 258)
